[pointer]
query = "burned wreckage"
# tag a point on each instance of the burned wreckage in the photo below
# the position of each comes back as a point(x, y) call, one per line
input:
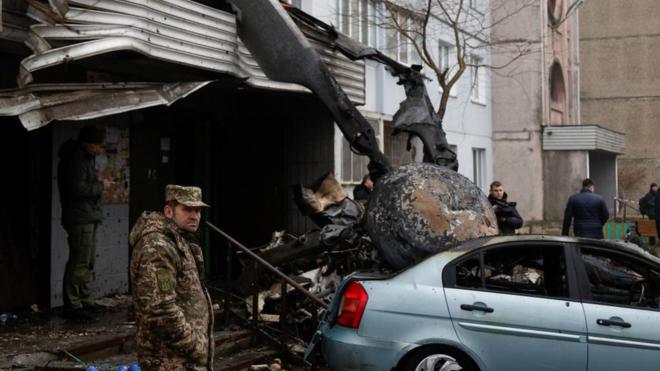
point(414, 210)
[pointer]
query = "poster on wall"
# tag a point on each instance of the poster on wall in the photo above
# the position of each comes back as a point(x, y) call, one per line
point(113, 165)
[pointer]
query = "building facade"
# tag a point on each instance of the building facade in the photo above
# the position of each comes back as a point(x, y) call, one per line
point(619, 85)
point(468, 120)
point(542, 150)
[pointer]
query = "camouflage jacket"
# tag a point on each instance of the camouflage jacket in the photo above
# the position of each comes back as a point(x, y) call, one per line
point(172, 307)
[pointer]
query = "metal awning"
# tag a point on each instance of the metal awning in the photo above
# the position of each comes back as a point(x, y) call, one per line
point(582, 138)
point(182, 32)
point(39, 104)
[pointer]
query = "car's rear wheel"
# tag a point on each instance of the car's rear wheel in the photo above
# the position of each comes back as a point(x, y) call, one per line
point(437, 359)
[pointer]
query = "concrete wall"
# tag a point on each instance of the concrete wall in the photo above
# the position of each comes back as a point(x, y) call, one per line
point(111, 270)
point(521, 104)
point(518, 108)
point(620, 89)
point(602, 170)
point(564, 171)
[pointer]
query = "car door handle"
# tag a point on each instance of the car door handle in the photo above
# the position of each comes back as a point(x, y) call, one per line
point(470, 307)
point(609, 322)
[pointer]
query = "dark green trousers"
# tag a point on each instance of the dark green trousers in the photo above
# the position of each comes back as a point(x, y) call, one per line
point(79, 267)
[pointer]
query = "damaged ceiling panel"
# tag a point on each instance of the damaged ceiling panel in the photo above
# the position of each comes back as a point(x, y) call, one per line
point(178, 31)
point(37, 105)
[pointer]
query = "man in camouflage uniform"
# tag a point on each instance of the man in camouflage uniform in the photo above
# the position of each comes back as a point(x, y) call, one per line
point(172, 307)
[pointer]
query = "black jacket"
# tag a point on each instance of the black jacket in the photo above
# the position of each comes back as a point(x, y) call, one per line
point(508, 219)
point(80, 189)
point(647, 205)
point(589, 213)
point(657, 203)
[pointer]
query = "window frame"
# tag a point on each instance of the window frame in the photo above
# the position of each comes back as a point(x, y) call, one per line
point(583, 278)
point(357, 23)
point(477, 80)
point(479, 167)
point(449, 272)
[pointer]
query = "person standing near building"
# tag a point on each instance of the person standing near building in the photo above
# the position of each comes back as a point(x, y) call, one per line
point(508, 219)
point(173, 309)
point(647, 203)
point(80, 195)
point(587, 211)
point(657, 213)
point(647, 206)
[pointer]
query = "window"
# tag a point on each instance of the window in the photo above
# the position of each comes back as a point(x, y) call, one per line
point(445, 56)
point(522, 269)
point(296, 3)
point(352, 167)
point(476, 79)
point(468, 273)
point(479, 167)
point(355, 20)
point(620, 280)
point(396, 45)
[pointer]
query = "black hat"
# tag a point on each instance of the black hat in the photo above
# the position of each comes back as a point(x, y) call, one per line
point(91, 134)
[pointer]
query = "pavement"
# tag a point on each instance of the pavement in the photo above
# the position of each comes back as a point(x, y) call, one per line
point(41, 338)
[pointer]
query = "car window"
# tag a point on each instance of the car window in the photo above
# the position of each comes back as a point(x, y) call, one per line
point(529, 270)
point(619, 279)
point(468, 273)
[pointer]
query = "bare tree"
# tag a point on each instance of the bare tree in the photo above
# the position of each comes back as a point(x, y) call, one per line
point(421, 23)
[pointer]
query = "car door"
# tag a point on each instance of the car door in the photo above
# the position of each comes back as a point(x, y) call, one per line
point(514, 306)
point(622, 309)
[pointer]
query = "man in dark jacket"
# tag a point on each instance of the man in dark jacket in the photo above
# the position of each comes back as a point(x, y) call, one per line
point(657, 212)
point(587, 211)
point(647, 203)
point(80, 195)
point(508, 219)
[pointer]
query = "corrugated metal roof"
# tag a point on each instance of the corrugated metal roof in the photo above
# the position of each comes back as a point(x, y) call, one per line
point(177, 31)
point(582, 138)
point(37, 105)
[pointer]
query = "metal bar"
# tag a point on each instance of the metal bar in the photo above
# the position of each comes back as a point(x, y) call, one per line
point(228, 283)
point(255, 304)
point(283, 340)
point(272, 269)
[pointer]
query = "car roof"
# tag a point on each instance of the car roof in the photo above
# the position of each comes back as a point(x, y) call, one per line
point(466, 247)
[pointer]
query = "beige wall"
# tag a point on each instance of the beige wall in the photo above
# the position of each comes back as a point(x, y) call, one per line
point(564, 171)
point(521, 107)
point(620, 82)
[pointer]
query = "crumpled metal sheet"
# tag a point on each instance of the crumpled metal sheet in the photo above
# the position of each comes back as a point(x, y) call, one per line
point(37, 105)
point(181, 32)
point(420, 209)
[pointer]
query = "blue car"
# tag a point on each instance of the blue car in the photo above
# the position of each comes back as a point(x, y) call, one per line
point(502, 304)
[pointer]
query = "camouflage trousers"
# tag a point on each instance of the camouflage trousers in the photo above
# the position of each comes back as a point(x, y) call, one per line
point(79, 267)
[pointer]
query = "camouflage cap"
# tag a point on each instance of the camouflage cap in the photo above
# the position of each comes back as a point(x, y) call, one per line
point(189, 196)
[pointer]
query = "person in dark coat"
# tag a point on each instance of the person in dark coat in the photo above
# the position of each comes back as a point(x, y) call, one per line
point(657, 212)
point(508, 219)
point(647, 207)
point(587, 211)
point(80, 195)
point(647, 203)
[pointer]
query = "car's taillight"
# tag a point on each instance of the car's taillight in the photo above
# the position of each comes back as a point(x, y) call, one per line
point(353, 303)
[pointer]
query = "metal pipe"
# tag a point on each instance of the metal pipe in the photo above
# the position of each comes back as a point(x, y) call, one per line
point(283, 338)
point(227, 283)
point(269, 266)
point(255, 304)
